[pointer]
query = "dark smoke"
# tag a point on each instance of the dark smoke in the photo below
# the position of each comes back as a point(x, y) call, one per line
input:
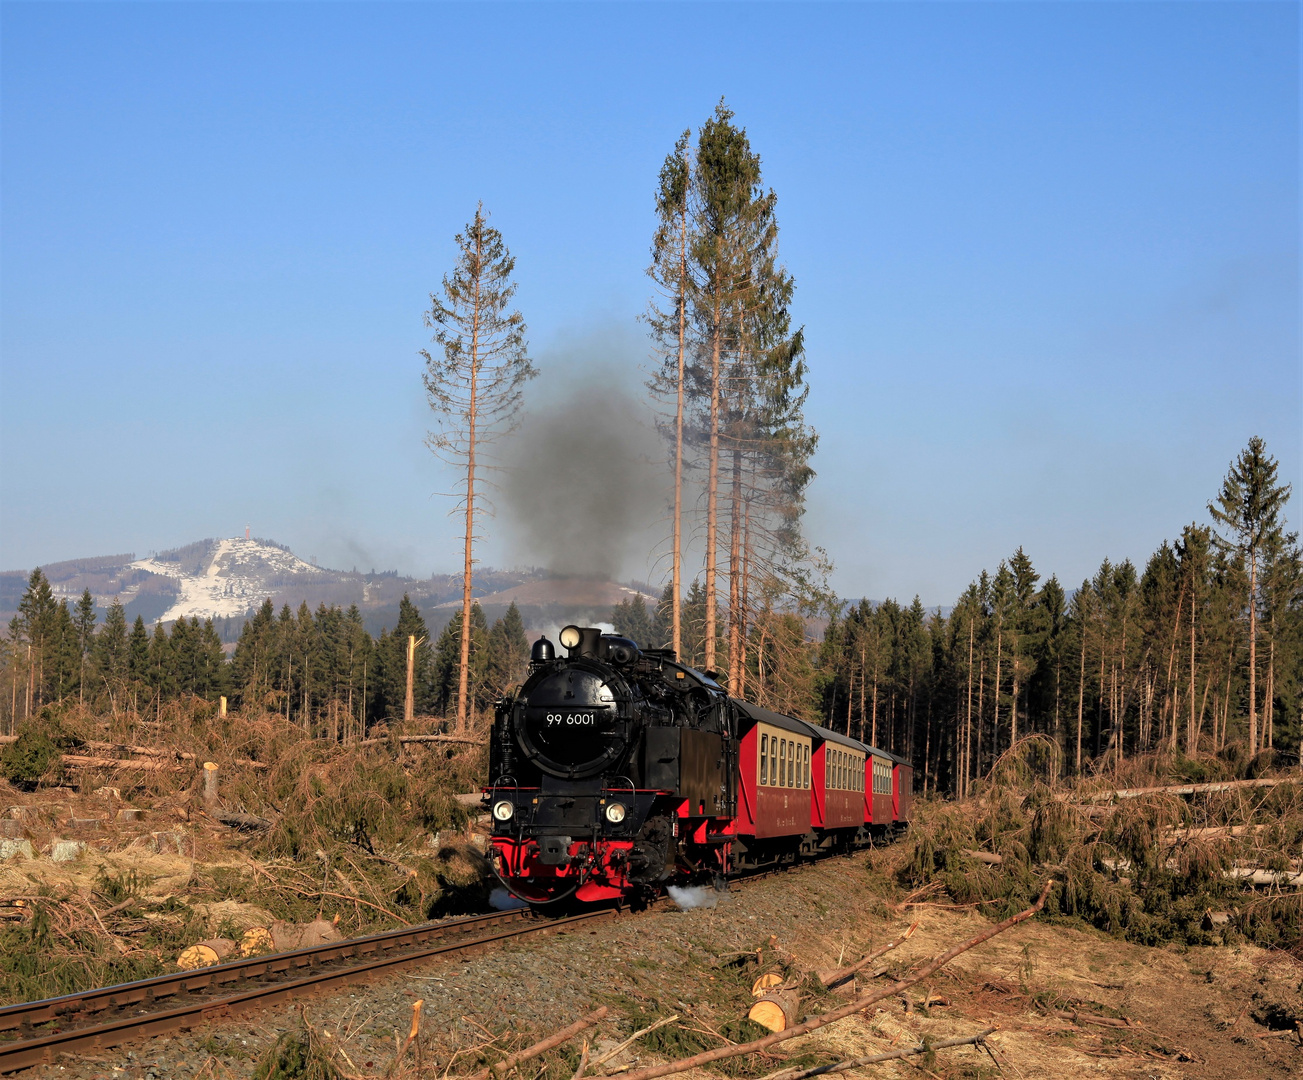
point(585, 482)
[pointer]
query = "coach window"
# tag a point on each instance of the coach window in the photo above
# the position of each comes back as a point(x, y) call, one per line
point(805, 758)
point(782, 763)
point(764, 759)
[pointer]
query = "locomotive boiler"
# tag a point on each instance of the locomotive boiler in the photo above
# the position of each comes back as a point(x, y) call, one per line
point(616, 771)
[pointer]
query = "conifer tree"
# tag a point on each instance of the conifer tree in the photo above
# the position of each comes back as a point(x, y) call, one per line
point(85, 622)
point(630, 618)
point(446, 662)
point(35, 628)
point(662, 621)
point(138, 661)
point(508, 653)
point(1248, 508)
point(110, 658)
point(474, 382)
point(162, 674)
point(671, 269)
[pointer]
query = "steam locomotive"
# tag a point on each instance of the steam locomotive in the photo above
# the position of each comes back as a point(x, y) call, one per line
point(616, 771)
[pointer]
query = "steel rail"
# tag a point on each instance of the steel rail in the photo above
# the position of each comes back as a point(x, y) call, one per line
point(395, 949)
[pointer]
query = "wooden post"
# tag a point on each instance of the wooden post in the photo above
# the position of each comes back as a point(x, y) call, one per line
point(221, 706)
point(408, 706)
point(210, 783)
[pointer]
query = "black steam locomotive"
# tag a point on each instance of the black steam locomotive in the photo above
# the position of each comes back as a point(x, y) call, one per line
point(616, 771)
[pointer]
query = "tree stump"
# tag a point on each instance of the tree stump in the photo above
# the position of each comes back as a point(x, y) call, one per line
point(776, 1011)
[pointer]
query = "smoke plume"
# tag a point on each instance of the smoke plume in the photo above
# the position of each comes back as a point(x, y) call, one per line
point(585, 481)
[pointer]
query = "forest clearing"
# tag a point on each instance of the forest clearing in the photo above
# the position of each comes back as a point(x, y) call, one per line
point(1155, 950)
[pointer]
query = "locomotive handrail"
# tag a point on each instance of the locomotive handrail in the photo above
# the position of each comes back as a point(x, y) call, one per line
point(633, 790)
point(501, 782)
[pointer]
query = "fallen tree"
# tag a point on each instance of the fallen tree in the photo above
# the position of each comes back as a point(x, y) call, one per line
point(858, 1005)
point(1186, 789)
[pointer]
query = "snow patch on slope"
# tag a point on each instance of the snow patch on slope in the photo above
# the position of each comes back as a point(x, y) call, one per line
point(237, 576)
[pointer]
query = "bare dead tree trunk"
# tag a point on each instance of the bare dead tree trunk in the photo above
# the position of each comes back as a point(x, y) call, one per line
point(676, 608)
point(1253, 652)
point(1169, 697)
point(464, 661)
point(968, 718)
point(734, 577)
point(712, 486)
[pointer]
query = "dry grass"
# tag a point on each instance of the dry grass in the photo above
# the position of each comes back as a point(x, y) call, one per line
point(370, 833)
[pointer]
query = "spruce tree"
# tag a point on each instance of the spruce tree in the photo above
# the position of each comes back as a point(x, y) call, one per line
point(671, 270)
point(110, 656)
point(1248, 508)
point(253, 662)
point(162, 671)
point(507, 653)
point(630, 618)
point(662, 621)
point(474, 382)
point(138, 661)
point(35, 628)
point(392, 676)
point(85, 621)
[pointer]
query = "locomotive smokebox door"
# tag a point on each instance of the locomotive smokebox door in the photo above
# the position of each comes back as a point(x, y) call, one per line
point(661, 758)
point(702, 770)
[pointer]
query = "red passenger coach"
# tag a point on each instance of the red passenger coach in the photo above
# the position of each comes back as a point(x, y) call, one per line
point(774, 775)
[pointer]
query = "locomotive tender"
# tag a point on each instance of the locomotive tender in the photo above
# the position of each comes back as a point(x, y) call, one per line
point(616, 771)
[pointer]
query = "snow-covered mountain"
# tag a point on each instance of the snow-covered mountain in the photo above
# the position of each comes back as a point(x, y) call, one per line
point(228, 579)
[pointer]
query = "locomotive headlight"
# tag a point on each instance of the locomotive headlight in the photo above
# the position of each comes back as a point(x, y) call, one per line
point(503, 810)
point(569, 637)
point(615, 813)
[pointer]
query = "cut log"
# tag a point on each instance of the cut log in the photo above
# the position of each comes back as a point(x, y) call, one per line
point(1212, 830)
point(197, 956)
point(1190, 789)
point(983, 856)
point(1258, 876)
point(777, 1010)
point(256, 941)
point(767, 982)
point(83, 761)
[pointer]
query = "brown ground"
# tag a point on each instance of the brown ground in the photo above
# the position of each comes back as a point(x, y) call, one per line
point(1194, 1013)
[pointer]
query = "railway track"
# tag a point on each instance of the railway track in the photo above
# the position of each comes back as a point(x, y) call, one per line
point(36, 1032)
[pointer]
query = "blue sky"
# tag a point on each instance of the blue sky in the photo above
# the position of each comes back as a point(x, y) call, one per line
point(1046, 256)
